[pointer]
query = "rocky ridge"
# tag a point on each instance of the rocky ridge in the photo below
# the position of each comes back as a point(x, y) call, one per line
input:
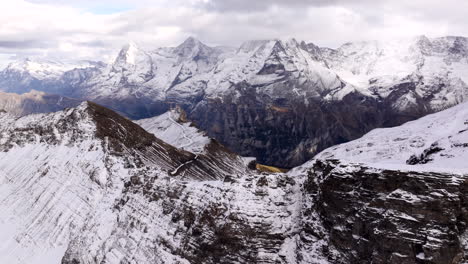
point(86, 185)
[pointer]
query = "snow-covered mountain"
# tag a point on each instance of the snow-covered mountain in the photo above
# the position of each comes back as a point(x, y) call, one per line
point(46, 69)
point(401, 188)
point(435, 142)
point(154, 73)
point(436, 67)
point(72, 180)
point(51, 76)
point(282, 101)
point(173, 128)
point(433, 71)
point(86, 185)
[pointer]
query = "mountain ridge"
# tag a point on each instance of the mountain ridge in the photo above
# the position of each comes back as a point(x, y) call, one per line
point(400, 80)
point(85, 185)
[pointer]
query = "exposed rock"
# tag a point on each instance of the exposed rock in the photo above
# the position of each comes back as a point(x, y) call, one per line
point(391, 216)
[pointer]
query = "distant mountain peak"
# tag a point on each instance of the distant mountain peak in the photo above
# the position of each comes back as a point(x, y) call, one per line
point(191, 41)
point(191, 47)
point(128, 53)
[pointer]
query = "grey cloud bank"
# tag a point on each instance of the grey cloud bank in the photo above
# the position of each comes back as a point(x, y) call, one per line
point(69, 29)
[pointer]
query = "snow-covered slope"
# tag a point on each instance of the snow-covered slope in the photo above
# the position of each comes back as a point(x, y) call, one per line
point(173, 128)
point(85, 185)
point(436, 141)
point(438, 68)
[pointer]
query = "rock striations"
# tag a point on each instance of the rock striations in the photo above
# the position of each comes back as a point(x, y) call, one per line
point(86, 185)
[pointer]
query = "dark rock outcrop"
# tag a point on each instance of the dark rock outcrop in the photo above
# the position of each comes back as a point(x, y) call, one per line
point(391, 216)
point(287, 131)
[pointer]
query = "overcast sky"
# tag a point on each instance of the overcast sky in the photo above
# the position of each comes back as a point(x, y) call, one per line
point(84, 29)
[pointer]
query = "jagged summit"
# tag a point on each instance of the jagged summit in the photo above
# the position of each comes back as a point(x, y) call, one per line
point(194, 49)
point(190, 42)
point(128, 54)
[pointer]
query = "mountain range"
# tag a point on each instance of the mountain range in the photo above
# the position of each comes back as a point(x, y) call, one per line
point(277, 151)
point(86, 185)
point(281, 101)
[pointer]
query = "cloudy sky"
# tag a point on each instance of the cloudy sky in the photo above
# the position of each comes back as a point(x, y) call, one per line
point(90, 29)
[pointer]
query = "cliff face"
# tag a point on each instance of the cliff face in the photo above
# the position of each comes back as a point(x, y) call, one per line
point(287, 131)
point(240, 220)
point(391, 216)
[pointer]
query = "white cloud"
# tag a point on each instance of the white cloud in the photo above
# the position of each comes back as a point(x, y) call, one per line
point(90, 29)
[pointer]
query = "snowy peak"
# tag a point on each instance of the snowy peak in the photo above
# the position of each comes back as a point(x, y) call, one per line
point(193, 48)
point(132, 65)
point(127, 54)
point(190, 43)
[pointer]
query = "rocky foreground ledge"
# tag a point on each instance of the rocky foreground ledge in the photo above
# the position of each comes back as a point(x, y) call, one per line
point(390, 216)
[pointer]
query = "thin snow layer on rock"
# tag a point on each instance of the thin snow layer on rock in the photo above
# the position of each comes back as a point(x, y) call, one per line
point(376, 215)
point(46, 195)
point(195, 222)
point(46, 189)
point(173, 130)
point(438, 140)
point(69, 192)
